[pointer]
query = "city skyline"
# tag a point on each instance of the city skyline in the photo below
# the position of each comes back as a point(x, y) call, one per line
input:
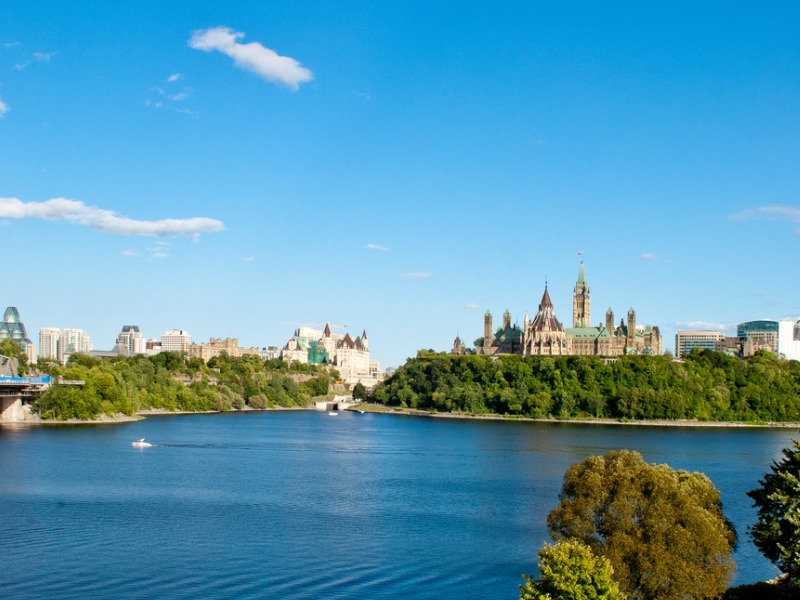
point(403, 167)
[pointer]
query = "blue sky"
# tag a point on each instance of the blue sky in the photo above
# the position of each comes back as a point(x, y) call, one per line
point(399, 167)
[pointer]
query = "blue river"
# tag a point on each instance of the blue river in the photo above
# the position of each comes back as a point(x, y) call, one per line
point(300, 504)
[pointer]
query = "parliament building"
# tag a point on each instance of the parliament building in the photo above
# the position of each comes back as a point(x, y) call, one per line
point(545, 334)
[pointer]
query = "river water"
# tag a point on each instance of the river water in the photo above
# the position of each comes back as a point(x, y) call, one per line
point(301, 504)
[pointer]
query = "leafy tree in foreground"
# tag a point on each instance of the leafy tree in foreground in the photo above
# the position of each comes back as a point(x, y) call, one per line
point(359, 392)
point(569, 571)
point(662, 530)
point(777, 531)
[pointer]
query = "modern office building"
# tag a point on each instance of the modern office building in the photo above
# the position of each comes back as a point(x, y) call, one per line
point(176, 340)
point(130, 341)
point(762, 334)
point(686, 341)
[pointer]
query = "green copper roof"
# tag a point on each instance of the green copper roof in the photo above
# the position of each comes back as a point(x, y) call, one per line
point(581, 276)
point(588, 332)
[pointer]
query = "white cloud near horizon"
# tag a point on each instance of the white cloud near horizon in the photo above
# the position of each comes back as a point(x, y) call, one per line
point(704, 326)
point(471, 306)
point(419, 275)
point(254, 57)
point(107, 221)
point(377, 247)
point(772, 212)
point(648, 256)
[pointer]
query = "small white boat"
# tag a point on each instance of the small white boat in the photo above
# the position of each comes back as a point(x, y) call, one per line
point(332, 413)
point(140, 443)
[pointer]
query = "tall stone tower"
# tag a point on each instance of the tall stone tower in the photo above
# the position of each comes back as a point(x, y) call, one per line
point(631, 328)
point(487, 330)
point(610, 320)
point(580, 301)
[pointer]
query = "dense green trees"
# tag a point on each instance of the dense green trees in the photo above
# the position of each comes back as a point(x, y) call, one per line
point(172, 381)
point(568, 570)
point(777, 531)
point(662, 530)
point(706, 386)
point(12, 349)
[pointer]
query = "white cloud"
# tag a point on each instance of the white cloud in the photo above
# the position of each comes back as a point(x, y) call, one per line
point(252, 56)
point(472, 306)
point(419, 275)
point(377, 247)
point(703, 325)
point(75, 211)
point(248, 258)
point(772, 212)
point(3, 108)
point(648, 256)
point(174, 77)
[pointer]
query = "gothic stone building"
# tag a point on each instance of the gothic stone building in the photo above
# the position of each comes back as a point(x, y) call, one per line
point(545, 334)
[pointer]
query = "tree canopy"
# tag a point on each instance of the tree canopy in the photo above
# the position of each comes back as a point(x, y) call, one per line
point(777, 531)
point(707, 386)
point(173, 381)
point(662, 530)
point(568, 570)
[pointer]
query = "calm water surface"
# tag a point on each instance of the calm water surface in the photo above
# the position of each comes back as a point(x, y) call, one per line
point(305, 505)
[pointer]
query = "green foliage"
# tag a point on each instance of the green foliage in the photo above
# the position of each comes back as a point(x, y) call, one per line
point(762, 591)
point(359, 392)
point(12, 349)
point(172, 381)
point(570, 571)
point(662, 530)
point(777, 530)
point(708, 386)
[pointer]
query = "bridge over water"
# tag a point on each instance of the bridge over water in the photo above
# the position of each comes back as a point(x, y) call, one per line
point(15, 392)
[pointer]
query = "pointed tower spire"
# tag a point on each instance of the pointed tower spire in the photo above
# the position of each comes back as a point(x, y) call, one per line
point(580, 300)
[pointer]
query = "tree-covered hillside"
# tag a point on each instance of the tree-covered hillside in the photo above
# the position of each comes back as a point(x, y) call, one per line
point(708, 386)
point(171, 381)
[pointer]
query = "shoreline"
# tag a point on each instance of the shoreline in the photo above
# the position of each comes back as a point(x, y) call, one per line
point(34, 420)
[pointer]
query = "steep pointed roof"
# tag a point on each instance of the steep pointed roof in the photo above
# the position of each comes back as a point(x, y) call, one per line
point(364, 334)
point(546, 319)
point(581, 275)
point(327, 332)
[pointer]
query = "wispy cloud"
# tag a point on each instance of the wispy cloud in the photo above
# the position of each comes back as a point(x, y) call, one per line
point(171, 97)
point(648, 256)
point(471, 306)
point(36, 57)
point(772, 212)
point(377, 247)
point(3, 108)
point(704, 325)
point(250, 258)
point(75, 211)
point(252, 56)
point(419, 275)
point(11, 44)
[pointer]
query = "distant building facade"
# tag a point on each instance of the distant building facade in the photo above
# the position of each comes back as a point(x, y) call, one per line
point(60, 344)
point(215, 347)
point(130, 341)
point(176, 340)
point(686, 341)
point(546, 335)
point(347, 355)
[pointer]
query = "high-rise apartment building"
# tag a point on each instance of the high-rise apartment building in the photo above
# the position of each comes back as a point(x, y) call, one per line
point(686, 341)
point(176, 340)
point(49, 339)
point(73, 341)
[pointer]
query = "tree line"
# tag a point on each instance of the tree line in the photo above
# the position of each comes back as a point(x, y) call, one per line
point(707, 386)
point(175, 382)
